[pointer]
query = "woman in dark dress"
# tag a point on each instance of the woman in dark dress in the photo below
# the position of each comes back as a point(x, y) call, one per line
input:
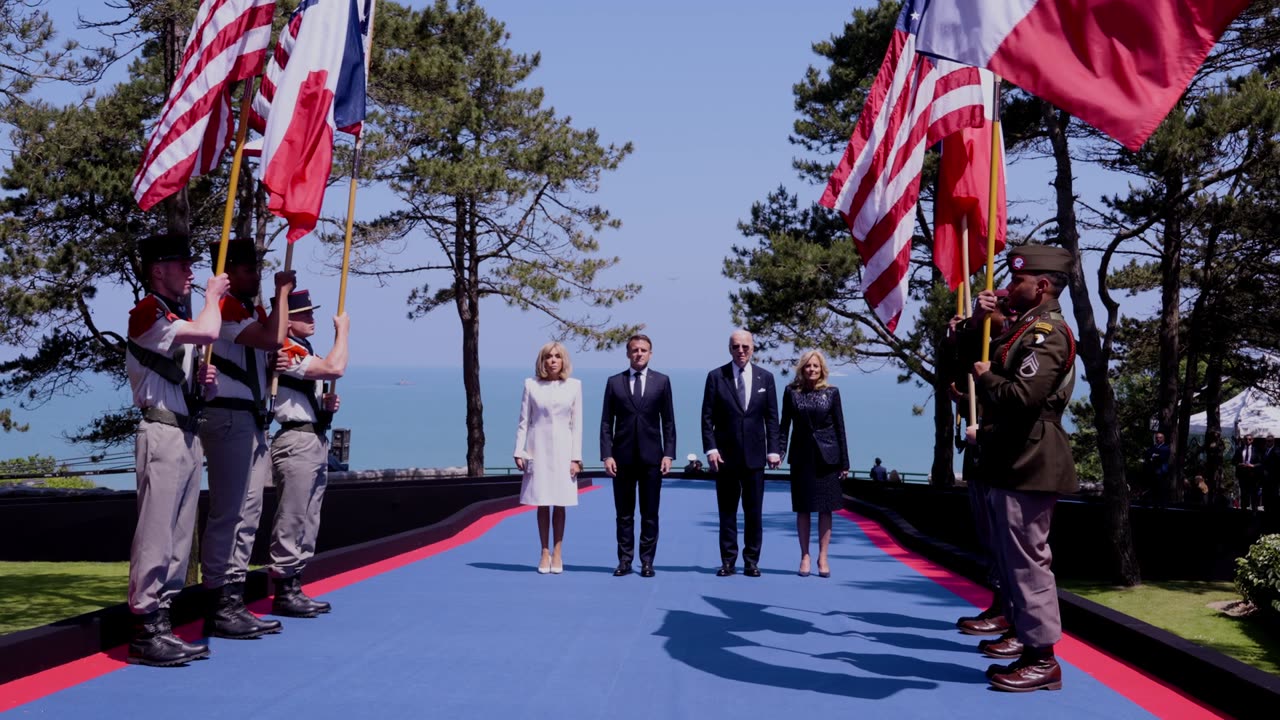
point(819, 453)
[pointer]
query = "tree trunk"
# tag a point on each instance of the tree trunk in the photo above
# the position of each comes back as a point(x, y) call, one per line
point(177, 207)
point(1191, 377)
point(1170, 297)
point(1089, 346)
point(467, 299)
point(1214, 449)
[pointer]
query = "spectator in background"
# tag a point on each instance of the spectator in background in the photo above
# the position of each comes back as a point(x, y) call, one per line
point(1157, 466)
point(1248, 462)
point(1195, 492)
point(879, 473)
point(894, 477)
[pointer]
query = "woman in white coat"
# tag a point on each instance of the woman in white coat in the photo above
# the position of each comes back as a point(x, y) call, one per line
point(549, 447)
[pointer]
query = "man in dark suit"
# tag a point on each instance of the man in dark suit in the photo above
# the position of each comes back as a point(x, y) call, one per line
point(1157, 463)
point(637, 443)
point(740, 436)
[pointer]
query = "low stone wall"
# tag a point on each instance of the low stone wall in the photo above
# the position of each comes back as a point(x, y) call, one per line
point(395, 474)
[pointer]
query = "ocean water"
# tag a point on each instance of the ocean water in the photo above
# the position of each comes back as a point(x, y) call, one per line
point(416, 417)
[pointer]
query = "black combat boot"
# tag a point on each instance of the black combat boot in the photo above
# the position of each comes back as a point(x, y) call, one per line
point(320, 605)
point(155, 644)
point(290, 601)
point(231, 619)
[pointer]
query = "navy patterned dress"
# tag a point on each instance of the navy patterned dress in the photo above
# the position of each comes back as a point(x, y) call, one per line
point(817, 448)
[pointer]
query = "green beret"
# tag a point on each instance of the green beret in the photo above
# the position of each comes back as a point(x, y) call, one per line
point(1040, 259)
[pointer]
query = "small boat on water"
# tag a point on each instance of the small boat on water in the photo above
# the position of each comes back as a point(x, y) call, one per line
point(403, 381)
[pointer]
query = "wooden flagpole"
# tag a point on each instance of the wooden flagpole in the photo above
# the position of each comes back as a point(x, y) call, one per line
point(966, 294)
point(228, 211)
point(993, 188)
point(282, 332)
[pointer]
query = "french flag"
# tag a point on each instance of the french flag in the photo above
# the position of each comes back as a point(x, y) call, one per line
point(1119, 65)
point(314, 85)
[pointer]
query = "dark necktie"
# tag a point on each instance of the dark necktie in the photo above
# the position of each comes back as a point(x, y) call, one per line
point(636, 388)
point(742, 388)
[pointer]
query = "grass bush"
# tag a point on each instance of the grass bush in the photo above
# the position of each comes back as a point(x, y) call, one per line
point(1258, 575)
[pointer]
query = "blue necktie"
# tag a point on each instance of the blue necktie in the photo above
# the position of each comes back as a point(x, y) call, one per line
point(636, 388)
point(742, 389)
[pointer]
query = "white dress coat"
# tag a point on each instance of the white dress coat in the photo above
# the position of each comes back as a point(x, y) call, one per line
point(549, 438)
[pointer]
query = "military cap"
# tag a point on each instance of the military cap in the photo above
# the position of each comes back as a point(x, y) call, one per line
point(165, 246)
point(299, 301)
point(240, 251)
point(1040, 259)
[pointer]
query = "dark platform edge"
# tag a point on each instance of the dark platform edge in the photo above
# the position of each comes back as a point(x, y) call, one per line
point(28, 652)
point(1221, 682)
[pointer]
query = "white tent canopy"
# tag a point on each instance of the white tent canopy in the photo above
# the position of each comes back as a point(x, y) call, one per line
point(1252, 412)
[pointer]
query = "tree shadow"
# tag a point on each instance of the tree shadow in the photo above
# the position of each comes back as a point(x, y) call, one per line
point(904, 666)
point(895, 620)
point(712, 643)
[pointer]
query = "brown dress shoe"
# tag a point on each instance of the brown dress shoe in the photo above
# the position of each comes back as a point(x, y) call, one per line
point(1005, 647)
point(979, 625)
point(1030, 674)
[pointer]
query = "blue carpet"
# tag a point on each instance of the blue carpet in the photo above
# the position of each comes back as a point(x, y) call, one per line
point(474, 632)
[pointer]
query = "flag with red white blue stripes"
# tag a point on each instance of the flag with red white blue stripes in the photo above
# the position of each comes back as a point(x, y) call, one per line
point(313, 85)
point(914, 103)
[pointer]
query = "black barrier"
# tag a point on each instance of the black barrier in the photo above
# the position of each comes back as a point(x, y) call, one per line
point(1171, 543)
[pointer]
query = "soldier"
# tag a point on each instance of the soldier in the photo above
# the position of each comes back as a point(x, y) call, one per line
point(994, 619)
point(234, 434)
point(169, 386)
point(1025, 459)
point(300, 452)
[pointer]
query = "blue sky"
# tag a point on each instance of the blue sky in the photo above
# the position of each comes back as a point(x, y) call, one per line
point(703, 90)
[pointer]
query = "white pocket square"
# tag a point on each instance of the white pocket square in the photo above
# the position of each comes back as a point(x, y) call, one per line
point(760, 390)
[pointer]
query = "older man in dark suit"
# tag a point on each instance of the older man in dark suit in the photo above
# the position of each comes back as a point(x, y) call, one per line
point(740, 436)
point(637, 443)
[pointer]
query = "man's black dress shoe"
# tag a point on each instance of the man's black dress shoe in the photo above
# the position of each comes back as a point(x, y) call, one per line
point(751, 571)
point(646, 570)
point(725, 571)
point(622, 570)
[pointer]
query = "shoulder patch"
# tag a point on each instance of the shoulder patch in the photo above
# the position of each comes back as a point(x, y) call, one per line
point(233, 310)
point(145, 314)
point(294, 351)
point(1044, 327)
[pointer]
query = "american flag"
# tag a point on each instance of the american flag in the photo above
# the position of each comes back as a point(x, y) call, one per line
point(915, 102)
point(228, 43)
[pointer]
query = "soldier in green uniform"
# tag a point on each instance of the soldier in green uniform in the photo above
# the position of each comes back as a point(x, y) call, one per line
point(1025, 458)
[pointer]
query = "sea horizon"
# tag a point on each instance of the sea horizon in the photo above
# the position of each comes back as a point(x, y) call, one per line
point(415, 416)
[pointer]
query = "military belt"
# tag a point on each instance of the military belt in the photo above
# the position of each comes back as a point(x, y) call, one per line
point(166, 417)
point(242, 405)
point(304, 427)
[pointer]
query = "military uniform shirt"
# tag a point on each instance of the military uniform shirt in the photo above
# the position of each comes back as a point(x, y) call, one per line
point(153, 326)
point(291, 405)
point(1023, 397)
point(235, 318)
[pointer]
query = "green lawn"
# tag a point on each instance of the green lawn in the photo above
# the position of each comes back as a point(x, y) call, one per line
point(1181, 608)
point(38, 593)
